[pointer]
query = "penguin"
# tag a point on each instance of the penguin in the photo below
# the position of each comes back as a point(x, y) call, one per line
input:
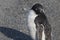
point(38, 25)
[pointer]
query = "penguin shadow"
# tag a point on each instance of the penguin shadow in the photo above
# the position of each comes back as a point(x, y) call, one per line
point(14, 34)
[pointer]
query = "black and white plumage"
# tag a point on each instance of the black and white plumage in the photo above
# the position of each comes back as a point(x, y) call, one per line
point(38, 24)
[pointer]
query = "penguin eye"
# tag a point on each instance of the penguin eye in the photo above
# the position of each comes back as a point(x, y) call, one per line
point(42, 10)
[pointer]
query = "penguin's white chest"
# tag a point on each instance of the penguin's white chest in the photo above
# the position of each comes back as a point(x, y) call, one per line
point(32, 27)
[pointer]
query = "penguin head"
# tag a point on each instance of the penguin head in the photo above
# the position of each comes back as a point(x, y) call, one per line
point(38, 8)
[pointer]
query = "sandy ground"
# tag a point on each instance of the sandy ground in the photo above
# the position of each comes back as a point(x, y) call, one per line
point(14, 18)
